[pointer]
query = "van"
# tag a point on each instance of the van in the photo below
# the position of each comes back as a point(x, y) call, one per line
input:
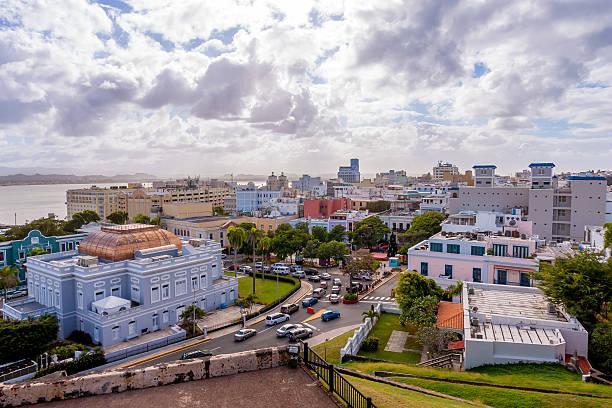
point(280, 264)
point(280, 270)
point(276, 318)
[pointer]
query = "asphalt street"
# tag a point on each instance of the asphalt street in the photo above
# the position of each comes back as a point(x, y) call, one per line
point(350, 315)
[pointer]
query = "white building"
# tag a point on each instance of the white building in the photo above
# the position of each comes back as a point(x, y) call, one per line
point(250, 199)
point(307, 183)
point(350, 174)
point(513, 324)
point(443, 168)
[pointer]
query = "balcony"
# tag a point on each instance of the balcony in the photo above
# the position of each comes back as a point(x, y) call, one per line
point(509, 283)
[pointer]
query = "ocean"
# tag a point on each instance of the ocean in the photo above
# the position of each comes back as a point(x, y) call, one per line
point(30, 202)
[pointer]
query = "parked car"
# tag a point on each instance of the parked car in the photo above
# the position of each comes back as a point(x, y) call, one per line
point(244, 334)
point(298, 274)
point(366, 277)
point(356, 287)
point(318, 293)
point(279, 264)
point(324, 285)
point(286, 328)
point(258, 265)
point(266, 268)
point(333, 298)
point(329, 315)
point(294, 268)
point(16, 294)
point(230, 267)
point(223, 256)
point(245, 268)
point(335, 290)
point(276, 318)
point(337, 282)
point(280, 270)
point(314, 278)
point(289, 308)
point(311, 271)
point(196, 354)
point(325, 276)
point(309, 301)
point(301, 333)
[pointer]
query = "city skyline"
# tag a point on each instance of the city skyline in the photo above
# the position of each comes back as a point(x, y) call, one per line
point(188, 88)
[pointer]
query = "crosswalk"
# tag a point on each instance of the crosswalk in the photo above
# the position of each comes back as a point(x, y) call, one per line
point(380, 298)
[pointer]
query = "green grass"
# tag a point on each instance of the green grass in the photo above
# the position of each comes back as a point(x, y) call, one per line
point(387, 396)
point(331, 348)
point(412, 343)
point(264, 289)
point(547, 376)
point(383, 329)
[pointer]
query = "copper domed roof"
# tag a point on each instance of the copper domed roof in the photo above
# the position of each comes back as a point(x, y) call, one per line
point(118, 242)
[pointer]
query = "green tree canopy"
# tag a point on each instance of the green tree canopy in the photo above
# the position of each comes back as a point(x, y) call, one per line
point(333, 250)
point(36, 252)
point(311, 248)
point(118, 217)
point(302, 226)
point(47, 226)
point(80, 219)
point(608, 235)
point(26, 338)
point(582, 283)
point(378, 206)
point(422, 227)
point(412, 285)
point(142, 219)
point(283, 228)
point(392, 250)
point(237, 238)
point(369, 231)
point(600, 347)
point(357, 264)
point(219, 210)
point(336, 234)
point(422, 312)
point(319, 233)
point(9, 278)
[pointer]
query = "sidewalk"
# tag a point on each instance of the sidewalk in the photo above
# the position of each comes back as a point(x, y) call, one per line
point(321, 338)
point(221, 317)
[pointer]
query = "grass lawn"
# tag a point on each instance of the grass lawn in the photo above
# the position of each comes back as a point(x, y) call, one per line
point(547, 376)
point(264, 289)
point(383, 329)
point(387, 396)
point(412, 343)
point(331, 348)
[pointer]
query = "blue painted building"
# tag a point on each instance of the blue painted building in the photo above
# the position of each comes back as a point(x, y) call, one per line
point(123, 282)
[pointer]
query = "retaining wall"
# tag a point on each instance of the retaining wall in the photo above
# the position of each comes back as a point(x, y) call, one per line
point(124, 380)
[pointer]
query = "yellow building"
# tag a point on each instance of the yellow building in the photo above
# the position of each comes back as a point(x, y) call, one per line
point(103, 201)
point(213, 228)
point(270, 224)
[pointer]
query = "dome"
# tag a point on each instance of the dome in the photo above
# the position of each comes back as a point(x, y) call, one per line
point(118, 242)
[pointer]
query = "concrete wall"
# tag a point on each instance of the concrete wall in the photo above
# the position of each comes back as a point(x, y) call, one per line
point(588, 205)
point(500, 199)
point(124, 380)
point(479, 352)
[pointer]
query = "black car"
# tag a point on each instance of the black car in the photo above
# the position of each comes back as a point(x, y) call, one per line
point(196, 354)
point(314, 278)
point(311, 271)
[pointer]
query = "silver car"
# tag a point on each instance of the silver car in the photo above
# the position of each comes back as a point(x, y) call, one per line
point(286, 328)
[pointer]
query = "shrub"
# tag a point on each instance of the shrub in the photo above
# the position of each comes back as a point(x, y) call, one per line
point(26, 338)
point(81, 337)
point(370, 344)
point(350, 296)
point(84, 363)
point(66, 351)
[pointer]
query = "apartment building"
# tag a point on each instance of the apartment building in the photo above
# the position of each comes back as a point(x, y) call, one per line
point(322, 208)
point(124, 281)
point(176, 202)
point(307, 183)
point(103, 201)
point(250, 199)
point(350, 174)
point(440, 169)
point(213, 228)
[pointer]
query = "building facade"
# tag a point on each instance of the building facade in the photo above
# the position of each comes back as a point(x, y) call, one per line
point(307, 183)
point(250, 199)
point(441, 169)
point(123, 282)
point(350, 174)
point(103, 201)
point(325, 208)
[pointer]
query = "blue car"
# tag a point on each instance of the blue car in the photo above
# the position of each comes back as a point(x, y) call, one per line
point(309, 301)
point(330, 314)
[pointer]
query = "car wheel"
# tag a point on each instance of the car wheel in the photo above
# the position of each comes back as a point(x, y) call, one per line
point(309, 334)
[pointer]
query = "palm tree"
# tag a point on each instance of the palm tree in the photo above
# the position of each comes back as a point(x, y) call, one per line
point(264, 247)
point(237, 238)
point(9, 278)
point(252, 237)
point(371, 314)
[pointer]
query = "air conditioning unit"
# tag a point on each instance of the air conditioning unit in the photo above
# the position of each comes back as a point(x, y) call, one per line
point(470, 291)
point(197, 242)
point(478, 336)
point(552, 309)
point(87, 261)
point(474, 322)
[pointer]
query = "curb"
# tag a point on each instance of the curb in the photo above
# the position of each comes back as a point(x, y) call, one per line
point(261, 318)
point(393, 275)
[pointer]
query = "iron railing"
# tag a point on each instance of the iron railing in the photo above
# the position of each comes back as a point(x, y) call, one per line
point(336, 382)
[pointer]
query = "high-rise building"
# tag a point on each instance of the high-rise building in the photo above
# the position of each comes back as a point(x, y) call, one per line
point(306, 183)
point(103, 201)
point(441, 169)
point(351, 173)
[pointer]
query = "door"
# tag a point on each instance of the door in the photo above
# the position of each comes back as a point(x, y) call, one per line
point(155, 322)
point(502, 276)
point(223, 297)
point(525, 279)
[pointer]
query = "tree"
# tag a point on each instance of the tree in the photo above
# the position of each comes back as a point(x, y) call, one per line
point(368, 232)
point(453, 290)
point(337, 233)
point(118, 217)
point(319, 233)
point(302, 226)
point(422, 227)
point(265, 243)
point(248, 301)
point(600, 347)
point(142, 219)
point(392, 250)
point(47, 226)
point(36, 252)
point(155, 221)
point(332, 250)
point(608, 235)
point(219, 210)
point(412, 285)
point(9, 278)
point(311, 248)
point(283, 228)
point(371, 313)
point(26, 338)
point(422, 312)
point(582, 283)
point(378, 206)
point(237, 238)
point(188, 315)
point(359, 264)
point(404, 250)
point(252, 238)
point(435, 340)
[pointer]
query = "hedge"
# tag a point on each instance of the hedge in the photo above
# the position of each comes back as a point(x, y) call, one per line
point(370, 344)
point(84, 363)
point(26, 338)
point(280, 301)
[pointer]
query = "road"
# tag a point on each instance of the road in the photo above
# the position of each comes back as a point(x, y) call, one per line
point(351, 316)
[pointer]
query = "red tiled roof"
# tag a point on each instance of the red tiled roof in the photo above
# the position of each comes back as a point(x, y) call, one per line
point(450, 315)
point(456, 345)
point(583, 363)
point(379, 256)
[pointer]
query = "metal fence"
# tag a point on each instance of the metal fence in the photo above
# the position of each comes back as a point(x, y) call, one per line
point(336, 382)
point(144, 347)
point(18, 369)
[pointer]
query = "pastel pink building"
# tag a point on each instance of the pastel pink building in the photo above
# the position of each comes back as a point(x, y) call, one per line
point(487, 258)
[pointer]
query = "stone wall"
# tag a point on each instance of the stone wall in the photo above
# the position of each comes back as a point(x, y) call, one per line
point(124, 380)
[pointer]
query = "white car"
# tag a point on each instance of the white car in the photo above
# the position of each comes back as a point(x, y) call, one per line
point(299, 274)
point(333, 298)
point(276, 318)
point(245, 268)
point(286, 328)
point(318, 293)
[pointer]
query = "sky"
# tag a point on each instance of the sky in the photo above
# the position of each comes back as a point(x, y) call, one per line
point(216, 87)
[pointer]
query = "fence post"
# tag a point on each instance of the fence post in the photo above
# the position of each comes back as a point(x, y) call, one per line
point(369, 400)
point(330, 374)
point(306, 355)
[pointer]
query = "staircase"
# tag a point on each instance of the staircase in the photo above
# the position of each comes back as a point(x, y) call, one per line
point(452, 360)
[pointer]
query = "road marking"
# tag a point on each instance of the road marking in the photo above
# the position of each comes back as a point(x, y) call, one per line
point(310, 326)
point(314, 316)
point(216, 348)
point(144, 360)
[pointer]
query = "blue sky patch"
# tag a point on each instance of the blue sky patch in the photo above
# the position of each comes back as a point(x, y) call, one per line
point(596, 84)
point(480, 69)
point(225, 36)
point(120, 5)
point(547, 127)
point(166, 44)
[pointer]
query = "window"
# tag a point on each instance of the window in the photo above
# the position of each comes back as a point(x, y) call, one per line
point(194, 283)
point(165, 316)
point(478, 250)
point(80, 300)
point(116, 333)
point(1, 256)
point(502, 276)
point(203, 281)
point(448, 270)
point(180, 287)
point(21, 255)
point(519, 251)
point(116, 291)
point(96, 335)
point(155, 294)
point(453, 248)
point(476, 275)
point(179, 312)
point(165, 291)
point(500, 249)
point(435, 247)
point(131, 328)
point(81, 325)
point(63, 247)
point(99, 295)
point(57, 299)
point(424, 268)
point(135, 293)
point(70, 246)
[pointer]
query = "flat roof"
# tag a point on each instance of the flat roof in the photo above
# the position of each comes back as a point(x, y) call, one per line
point(519, 334)
point(484, 166)
point(542, 165)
